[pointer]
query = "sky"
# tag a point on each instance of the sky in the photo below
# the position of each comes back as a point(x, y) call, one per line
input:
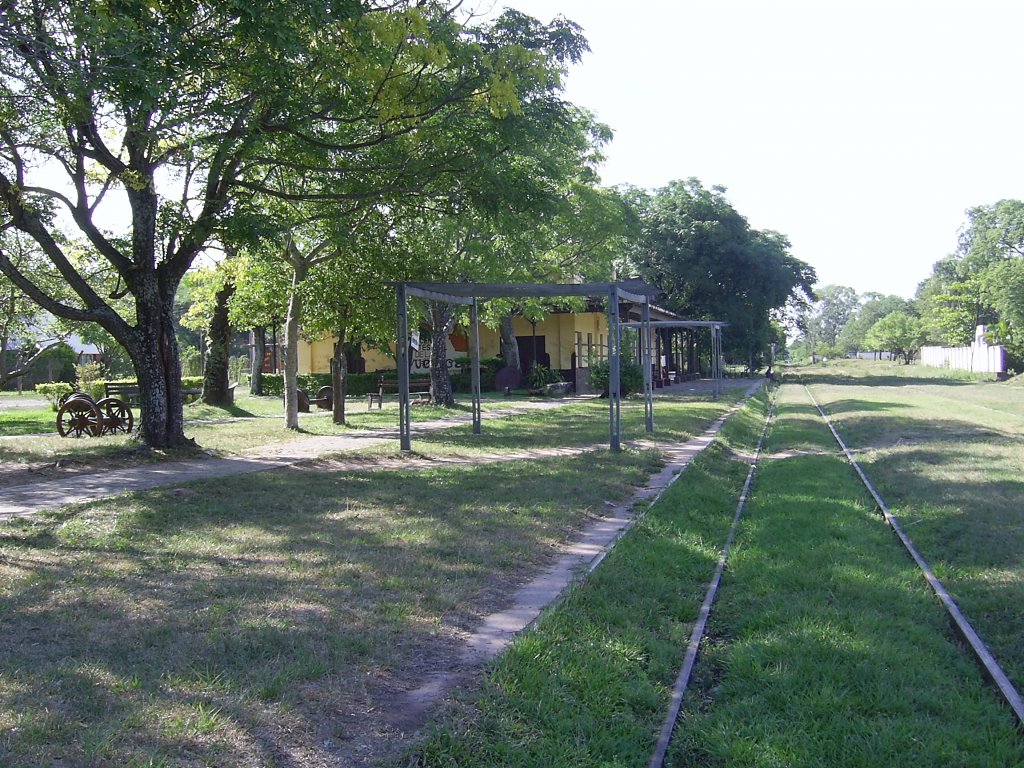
point(861, 130)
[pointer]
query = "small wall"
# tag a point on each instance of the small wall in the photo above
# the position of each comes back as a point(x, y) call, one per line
point(978, 358)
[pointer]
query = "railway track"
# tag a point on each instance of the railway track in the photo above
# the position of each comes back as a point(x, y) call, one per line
point(977, 647)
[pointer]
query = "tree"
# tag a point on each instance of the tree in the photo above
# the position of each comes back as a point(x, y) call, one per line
point(709, 262)
point(258, 302)
point(26, 331)
point(898, 333)
point(181, 114)
point(836, 305)
point(875, 307)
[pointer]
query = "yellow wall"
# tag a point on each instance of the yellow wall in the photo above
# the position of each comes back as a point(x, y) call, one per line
point(558, 330)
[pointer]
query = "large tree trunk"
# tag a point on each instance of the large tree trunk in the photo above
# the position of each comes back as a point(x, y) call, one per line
point(339, 378)
point(509, 345)
point(259, 337)
point(218, 351)
point(153, 349)
point(442, 320)
point(291, 350)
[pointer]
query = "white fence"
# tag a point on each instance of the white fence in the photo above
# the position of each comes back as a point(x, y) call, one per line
point(979, 358)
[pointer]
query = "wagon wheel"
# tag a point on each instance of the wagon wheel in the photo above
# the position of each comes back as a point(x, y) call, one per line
point(117, 416)
point(302, 400)
point(79, 396)
point(78, 417)
point(326, 395)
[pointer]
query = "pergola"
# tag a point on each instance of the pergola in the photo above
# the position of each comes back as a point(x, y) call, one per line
point(471, 293)
point(716, 342)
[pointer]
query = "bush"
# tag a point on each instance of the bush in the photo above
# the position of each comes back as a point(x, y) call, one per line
point(631, 377)
point(489, 367)
point(55, 392)
point(359, 384)
point(540, 376)
point(90, 379)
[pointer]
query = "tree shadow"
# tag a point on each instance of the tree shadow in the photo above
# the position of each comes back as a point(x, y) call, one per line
point(243, 620)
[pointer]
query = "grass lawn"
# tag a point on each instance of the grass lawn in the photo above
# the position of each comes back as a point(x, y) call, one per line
point(240, 620)
point(826, 648)
point(948, 457)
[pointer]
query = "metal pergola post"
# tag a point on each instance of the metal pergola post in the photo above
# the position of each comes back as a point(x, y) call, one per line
point(474, 353)
point(614, 349)
point(717, 367)
point(401, 359)
point(645, 342)
point(470, 293)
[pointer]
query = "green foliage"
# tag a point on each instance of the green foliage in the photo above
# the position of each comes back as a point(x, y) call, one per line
point(836, 306)
point(704, 255)
point(89, 379)
point(358, 384)
point(540, 376)
point(898, 333)
point(875, 307)
point(489, 367)
point(191, 361)
point(631, 377)
point(238, 368)
point(54, 392)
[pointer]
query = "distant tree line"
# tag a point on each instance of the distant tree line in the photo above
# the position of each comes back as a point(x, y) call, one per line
point(980, 283)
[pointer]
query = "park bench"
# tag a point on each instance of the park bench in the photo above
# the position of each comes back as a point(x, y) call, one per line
point(389, 386)
point(129, 391)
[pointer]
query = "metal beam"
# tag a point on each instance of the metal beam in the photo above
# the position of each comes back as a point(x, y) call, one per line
point(474, 353)
point(614, 340)
point(445, 291)
point(401, 360)
point(678, 324)
point(645, 343)
point(448, 298)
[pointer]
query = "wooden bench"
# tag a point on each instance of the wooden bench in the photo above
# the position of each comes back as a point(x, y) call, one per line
point(129, 391)
point(389, 386)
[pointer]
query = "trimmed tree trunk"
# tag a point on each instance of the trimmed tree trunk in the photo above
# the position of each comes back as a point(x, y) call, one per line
point(509, 345)
point(339, 378)
point(442, 320)
point(259, 337)
point(218, 351)
point(153, 349)
point(291, 349)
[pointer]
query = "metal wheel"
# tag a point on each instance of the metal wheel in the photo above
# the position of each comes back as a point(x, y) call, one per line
point(79, 396)
point(79, 417)
point(303, 400)
point(325, 397)
point(117, 416)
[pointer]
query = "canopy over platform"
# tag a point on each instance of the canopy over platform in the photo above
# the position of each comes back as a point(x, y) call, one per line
point(633, 291)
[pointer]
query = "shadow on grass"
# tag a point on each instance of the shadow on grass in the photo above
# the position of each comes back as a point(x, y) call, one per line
point(584, 424)
point(875, 380)
point(235, 622)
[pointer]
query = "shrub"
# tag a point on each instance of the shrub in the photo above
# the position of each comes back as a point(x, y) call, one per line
point(55, 392)
point(540, 376)
point(359, 384)
point(90, 379)
point(631, 377)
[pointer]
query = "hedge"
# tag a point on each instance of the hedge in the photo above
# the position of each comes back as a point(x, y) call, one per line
point(360, 384)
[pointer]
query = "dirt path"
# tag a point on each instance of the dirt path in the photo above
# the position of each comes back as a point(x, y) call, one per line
point(39, 495)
